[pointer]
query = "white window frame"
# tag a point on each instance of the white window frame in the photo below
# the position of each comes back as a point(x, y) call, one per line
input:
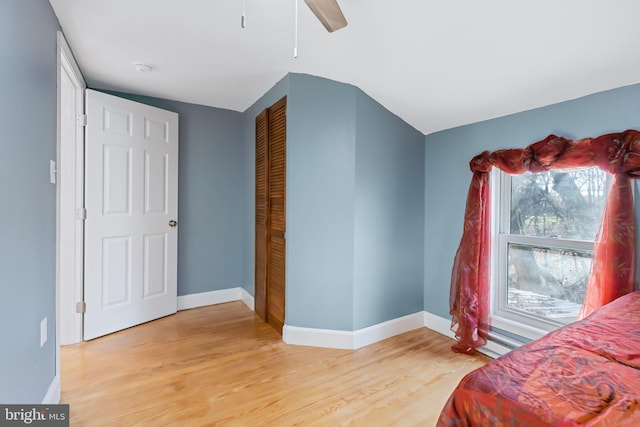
point(501, 316)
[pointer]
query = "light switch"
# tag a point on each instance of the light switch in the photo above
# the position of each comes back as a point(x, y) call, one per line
point(52, 171)
point(43, 332)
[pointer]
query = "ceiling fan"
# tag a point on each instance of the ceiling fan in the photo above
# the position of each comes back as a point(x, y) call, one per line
point(329, 13)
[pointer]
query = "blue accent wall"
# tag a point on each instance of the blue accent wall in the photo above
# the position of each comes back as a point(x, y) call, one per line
point(389, 216)
point(355, 206)
point(27, 238)
point(210, 195)
point(448, 176)
point(321, 155)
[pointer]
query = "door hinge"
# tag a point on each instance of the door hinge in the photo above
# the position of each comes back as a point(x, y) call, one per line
point(81, 214)
point(82, 119)
point(81, 307)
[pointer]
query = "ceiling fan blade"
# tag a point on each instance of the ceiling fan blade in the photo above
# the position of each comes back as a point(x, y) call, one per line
point(329, 13)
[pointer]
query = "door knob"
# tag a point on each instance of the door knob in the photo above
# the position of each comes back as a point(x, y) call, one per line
point(173, 223)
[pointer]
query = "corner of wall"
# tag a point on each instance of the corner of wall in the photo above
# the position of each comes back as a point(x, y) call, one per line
point(53, 392)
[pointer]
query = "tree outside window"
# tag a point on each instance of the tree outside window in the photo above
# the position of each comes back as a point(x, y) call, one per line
point(547, 241)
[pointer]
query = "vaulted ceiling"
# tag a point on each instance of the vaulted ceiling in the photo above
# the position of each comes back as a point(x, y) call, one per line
point(435, 64)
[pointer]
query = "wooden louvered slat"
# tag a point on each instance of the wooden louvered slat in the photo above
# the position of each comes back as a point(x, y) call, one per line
point(276, 288)
point(262, 218)
point(277, 165)
point(277, 214)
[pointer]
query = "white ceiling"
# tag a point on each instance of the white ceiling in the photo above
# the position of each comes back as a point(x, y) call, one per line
point(436, 64)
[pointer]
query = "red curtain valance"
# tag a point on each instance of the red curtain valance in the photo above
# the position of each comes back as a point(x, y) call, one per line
point(613, 262)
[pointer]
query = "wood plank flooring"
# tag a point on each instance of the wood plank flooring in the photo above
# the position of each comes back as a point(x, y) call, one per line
point(222, 366)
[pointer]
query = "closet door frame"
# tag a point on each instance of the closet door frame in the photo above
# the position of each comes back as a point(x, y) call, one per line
point(270, 215)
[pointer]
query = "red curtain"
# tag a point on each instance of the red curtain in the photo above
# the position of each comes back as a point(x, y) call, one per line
point(613, 264)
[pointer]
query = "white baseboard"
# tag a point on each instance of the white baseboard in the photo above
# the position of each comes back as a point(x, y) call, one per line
point(53, 393)
point(202, 299)
point(438, 324)
point(388, 329)
point(247, 299)
point(327, 338)
point(351, 340)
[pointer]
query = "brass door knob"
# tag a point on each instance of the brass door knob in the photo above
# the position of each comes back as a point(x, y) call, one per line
point(173, 223)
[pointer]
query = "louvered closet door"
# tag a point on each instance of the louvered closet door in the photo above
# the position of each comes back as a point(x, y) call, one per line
point(277, 214)
point(262, 141)
point(271, 146)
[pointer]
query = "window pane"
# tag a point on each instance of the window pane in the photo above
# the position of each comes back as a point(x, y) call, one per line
point(546, 282)
point(558, 204)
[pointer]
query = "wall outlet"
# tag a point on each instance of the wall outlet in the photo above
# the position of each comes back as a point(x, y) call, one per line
point(43, 331)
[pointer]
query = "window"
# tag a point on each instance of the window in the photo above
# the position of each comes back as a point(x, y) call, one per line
point(546, 224)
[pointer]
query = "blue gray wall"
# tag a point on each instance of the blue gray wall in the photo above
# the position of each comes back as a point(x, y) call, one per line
point(321, 153)
point(447, 172)
point(389, 216)
point(210, 196)
point(27, 237)
point(355, 195)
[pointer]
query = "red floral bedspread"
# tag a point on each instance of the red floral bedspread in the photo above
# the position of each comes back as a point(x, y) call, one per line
point(587, 372)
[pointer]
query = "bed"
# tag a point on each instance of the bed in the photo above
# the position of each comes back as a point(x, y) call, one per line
point(587, 372)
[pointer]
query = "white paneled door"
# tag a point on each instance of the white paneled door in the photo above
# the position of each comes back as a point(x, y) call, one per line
point(131, 198)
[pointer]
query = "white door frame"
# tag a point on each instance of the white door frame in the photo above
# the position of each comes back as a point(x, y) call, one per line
point(69, 198)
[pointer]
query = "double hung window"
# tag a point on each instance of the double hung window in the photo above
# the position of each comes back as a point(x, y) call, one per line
point(544, 230)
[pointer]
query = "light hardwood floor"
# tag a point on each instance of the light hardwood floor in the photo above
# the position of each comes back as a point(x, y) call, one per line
point(220, 365)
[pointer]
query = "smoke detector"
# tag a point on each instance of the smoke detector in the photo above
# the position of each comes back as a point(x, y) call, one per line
point(143, 68)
